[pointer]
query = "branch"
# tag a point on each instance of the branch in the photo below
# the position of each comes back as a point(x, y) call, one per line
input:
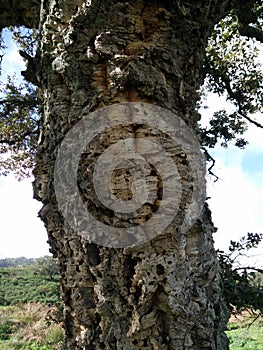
point(210, 158)
point(248, 268)
point(30, 73)
point(249, 119)
point(259, 315)
point(234, 96)
point(21, 138)
point(24, 102)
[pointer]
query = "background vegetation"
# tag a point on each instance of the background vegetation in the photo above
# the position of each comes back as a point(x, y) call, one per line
point(24, 282)
point(30, 310)
point(245, 331)
point(30, 314)
point(30, 326)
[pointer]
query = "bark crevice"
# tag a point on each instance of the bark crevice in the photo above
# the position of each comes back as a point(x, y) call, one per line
point(164, 294)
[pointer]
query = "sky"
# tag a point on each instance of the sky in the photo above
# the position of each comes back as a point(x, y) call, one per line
point(236, 198)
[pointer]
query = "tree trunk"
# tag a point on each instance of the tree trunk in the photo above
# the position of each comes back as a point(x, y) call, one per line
point(18, 13)
point(165, 292)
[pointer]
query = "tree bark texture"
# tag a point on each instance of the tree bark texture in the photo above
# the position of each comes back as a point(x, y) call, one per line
point(164, 294)
point(19, 13)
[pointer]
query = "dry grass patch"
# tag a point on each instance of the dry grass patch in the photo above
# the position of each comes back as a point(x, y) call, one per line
point(30, 326)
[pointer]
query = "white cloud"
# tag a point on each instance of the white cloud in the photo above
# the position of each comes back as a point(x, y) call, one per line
point(22, 233)
point(255, 135)
point(12, 61)
point(236, 200)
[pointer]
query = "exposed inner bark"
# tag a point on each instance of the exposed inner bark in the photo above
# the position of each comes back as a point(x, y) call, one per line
point(166, 293)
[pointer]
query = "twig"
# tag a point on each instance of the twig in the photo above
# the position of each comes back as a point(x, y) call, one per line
point(210, 159)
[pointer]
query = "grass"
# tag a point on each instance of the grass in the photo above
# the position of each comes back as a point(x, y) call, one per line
point(29, 327)
point(34, 326)
point(244, 334)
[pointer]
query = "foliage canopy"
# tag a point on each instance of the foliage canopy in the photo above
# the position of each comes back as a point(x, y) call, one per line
point(242, 285)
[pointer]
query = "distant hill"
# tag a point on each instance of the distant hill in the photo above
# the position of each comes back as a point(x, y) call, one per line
point(17, 262)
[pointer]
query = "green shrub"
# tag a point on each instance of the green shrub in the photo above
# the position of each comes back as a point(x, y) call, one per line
point(38, 346)
point(27, 284)
point(5, 330)
point(242, 285)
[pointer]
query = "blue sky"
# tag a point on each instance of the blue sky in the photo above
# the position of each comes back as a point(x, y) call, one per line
point(252, 162)
point(236, 198)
